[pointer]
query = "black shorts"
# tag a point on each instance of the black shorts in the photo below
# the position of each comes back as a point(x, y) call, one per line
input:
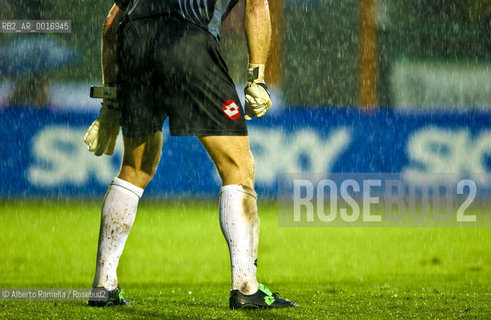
point(168, 67)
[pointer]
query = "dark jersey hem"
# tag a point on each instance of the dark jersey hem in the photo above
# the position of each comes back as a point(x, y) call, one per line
point(177, 133)
point(208, 132)
point(139, 134)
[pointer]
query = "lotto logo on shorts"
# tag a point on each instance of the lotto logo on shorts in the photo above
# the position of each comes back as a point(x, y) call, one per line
point(231, 109)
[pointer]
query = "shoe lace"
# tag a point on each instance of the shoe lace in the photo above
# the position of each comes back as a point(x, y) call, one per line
point(120, 295)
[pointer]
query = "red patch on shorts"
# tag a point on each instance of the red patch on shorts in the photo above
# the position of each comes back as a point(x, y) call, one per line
point(231, 109)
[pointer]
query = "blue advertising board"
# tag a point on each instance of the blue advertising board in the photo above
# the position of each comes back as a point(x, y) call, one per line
point(44, 154)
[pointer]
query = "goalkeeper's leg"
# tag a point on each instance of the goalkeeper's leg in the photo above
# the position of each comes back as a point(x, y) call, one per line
point(238, 213)
point(141, 156)
point(239, 220)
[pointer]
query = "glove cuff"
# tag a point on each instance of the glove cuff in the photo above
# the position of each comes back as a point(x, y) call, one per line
point(255, 72)
point(110, 94)
point(110, 104)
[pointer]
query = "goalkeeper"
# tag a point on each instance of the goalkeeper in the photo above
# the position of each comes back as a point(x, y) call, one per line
point(168, 64)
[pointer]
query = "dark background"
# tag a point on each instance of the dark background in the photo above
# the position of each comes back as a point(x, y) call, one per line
point(320, 41)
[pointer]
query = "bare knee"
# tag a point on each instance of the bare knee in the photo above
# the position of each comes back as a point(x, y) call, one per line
point(232, 158)
point(238, 170)
point(250, 169)
point(137, 177)
point(140, 159)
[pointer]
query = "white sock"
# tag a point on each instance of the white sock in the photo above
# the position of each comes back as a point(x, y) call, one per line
point(118, 214)
point(240, 226)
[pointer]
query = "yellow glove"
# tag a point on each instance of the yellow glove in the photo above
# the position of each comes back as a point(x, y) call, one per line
point(102, 134)
point(257, 96)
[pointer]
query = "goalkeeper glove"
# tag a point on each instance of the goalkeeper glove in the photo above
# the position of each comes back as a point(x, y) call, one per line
point(102, 134)
point(257, 96)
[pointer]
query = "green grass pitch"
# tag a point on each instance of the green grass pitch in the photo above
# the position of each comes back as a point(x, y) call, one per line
point(176, 265)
